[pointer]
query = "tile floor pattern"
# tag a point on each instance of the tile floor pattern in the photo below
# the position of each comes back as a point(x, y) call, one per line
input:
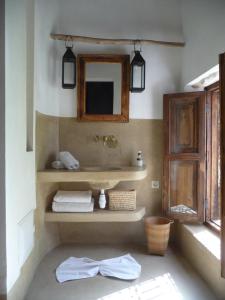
point(169, 277)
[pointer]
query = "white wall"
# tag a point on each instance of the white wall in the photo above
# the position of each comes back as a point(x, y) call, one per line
point(156, 19)
point(2, 154)
point(203, 28)
point(45, 88)
point(20, 165)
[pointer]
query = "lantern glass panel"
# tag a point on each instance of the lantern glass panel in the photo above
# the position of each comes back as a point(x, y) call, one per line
point(69, 72)
point(137, 76)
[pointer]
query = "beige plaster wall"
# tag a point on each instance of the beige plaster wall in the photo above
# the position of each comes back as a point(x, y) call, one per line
point(47, 141)
point(58, 134)
point(46, 239)
point(47, 146)
point(146, 135)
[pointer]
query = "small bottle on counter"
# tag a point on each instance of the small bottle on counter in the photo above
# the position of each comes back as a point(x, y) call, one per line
point(139, 161)
point(102, 199)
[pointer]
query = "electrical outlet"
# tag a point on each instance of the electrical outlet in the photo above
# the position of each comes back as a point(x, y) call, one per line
point(155, 184)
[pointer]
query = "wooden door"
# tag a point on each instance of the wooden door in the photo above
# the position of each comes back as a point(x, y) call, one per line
point(185, 156)
point(222, 108)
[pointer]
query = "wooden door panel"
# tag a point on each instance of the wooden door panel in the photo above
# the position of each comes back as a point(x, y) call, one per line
point(185, 156)
point(184, 125)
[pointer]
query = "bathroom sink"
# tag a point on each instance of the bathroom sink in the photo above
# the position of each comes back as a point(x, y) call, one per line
point(100, 168)
point(98, 177)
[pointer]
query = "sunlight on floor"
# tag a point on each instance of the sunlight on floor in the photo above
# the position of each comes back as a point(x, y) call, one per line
point(158, 288)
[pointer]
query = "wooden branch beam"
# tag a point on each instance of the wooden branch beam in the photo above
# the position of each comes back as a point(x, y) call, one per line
point(103, 41)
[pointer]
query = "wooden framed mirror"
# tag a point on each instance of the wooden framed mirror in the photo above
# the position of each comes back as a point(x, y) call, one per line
point(103, 87)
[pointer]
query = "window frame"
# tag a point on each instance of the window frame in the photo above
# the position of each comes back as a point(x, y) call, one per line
point(222, 136)
point(210, 90)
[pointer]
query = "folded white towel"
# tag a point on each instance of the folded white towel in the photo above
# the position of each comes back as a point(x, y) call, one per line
point(68, 160)
point(73, 196)
point(73, 207)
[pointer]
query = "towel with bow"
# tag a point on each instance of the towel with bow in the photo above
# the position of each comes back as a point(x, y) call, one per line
point(124, 267)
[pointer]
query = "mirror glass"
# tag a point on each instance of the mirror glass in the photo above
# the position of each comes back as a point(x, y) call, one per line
point(103, 88)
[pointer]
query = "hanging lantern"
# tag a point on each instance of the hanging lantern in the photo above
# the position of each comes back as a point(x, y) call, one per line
point(69, 69)
point(137, 80)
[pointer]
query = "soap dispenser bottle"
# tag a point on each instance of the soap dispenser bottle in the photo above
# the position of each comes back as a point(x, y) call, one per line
point(102, 199)
point(139, 161)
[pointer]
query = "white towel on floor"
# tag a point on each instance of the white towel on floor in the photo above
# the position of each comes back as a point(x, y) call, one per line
point(123, 267)
point(73, 207)
point(76, 268)
point(73, 196)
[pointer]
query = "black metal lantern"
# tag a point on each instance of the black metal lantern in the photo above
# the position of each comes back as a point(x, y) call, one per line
point(137, 80)
point(69, 69)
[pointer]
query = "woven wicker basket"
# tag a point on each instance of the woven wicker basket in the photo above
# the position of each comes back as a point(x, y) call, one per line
point(157, 231)
point(122, 200)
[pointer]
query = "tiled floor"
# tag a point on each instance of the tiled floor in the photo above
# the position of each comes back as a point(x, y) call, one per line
point(169, 277)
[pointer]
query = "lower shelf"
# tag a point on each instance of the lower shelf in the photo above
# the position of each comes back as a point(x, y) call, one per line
point(98, 215)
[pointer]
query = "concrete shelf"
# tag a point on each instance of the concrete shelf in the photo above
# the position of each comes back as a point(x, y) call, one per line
point(97, 177)
point(98, 215)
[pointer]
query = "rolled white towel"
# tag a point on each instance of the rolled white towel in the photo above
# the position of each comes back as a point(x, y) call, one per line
point(68, 160)
point(57, 164)
point(73, 207)
point(73, 196)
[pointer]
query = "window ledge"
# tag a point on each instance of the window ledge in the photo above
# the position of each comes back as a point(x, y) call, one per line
point(206, 237)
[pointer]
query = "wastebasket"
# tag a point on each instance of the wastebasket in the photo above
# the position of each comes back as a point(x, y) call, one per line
point(157, 232)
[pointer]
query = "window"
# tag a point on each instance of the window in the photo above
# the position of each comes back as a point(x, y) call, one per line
point(194, 143)
point(222, 155)
point(213, 199)
point(192, 189)
point(184, 191)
